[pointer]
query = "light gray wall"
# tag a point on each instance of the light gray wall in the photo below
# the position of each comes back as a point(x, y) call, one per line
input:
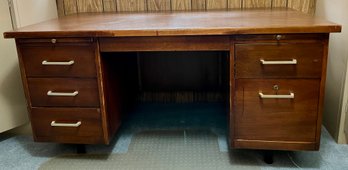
point(335, 11)
point(29, 12)
point(13, 110)
point(12, 104)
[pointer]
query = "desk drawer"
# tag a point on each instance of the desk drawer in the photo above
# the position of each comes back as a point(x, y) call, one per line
point(67, 125)
point(63, 92)
point(290, 114)
point(275, 60)
point(74, 60)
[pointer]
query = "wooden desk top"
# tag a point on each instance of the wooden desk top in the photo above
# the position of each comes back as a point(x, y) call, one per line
point(260, 21)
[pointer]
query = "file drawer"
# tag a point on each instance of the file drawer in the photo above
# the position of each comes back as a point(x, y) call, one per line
point(276, 109)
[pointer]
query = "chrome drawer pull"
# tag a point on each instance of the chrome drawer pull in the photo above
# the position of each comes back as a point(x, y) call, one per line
point(290, 96)
point(292, 62)
point(50, 93)
point(54, 124)
point(63, 63)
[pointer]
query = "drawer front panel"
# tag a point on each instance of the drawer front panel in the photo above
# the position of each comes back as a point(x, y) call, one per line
point(63, 92)
point(274, 60)
point(287, 114)
point(67, 125)
point(59, 61)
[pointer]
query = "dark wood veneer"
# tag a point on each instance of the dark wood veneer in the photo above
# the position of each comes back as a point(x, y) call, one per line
point(260, 21)
point(83, 55)
point(90, 131)
point(87, 92)
point(106, 49)
point(308, 56)
point(180, 43)
point(276, 119)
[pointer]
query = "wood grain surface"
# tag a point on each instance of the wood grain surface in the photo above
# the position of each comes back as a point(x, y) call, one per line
point(257, 3)
point(216, 4)
point(109, 5)
point(181, 5)
point(308, 56)
point(306, 6)
point(82, 55)
point(277, 119)
point(199, 5)
point(89, 132)
point(130, 5)
point(235, 4)
point(279, 3)
point(256, 119)
point(158, 5)
point(207, 43)
point(90, 6)
point(253, 119)
point(87, 92)
point(68, 7)
point(253, 21)
point(60, 7)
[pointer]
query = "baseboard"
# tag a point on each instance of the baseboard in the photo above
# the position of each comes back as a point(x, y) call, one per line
point(21, 130)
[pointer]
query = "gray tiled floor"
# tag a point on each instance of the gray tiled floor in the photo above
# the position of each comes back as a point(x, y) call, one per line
point(162, 150)
point(20, 152)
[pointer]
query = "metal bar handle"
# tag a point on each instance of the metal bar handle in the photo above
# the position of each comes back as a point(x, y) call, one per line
point(263, 96)
point(73, 94)
point(58, 63)
point(55, 124)
point(292, 62)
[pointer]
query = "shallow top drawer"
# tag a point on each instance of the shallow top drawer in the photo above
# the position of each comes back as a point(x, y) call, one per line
point(60, 60)
point(273, 60)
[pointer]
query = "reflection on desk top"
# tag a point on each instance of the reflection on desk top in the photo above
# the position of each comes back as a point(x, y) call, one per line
point(256, 21)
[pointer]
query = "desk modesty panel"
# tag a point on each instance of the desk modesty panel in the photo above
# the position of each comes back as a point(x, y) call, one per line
point(79, 71)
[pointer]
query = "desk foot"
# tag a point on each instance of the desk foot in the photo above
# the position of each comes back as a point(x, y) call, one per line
point(81, 149)
point(268, 157)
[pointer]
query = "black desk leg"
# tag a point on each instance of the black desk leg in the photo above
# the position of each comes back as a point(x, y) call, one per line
point(268, 157)
point(81, 149)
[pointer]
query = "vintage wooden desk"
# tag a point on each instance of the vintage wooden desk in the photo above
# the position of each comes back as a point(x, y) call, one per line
point(276, 71)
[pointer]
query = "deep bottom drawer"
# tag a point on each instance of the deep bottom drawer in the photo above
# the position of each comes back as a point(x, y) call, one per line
point(67, 125)
point(261, 114)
